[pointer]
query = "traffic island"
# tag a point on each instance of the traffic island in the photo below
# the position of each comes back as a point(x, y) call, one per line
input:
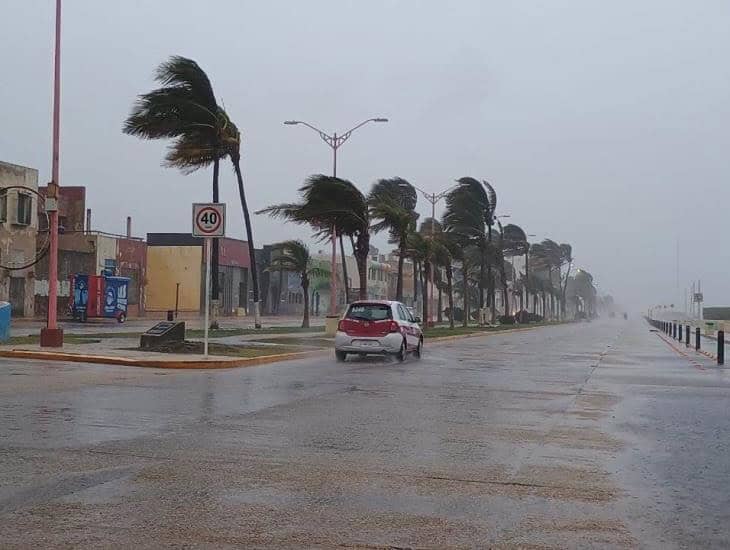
point(178, 355)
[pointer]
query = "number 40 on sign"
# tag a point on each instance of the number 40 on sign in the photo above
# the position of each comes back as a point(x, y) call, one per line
point(209, 219)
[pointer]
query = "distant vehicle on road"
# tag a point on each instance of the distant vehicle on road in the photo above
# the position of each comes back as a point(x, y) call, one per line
point(380, 327)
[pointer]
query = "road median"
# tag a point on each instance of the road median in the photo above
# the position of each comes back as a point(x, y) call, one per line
point(215, 362)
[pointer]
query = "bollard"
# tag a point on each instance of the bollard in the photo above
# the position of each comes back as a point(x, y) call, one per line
point(720, 347)
point(674, 330)
point(680, 334)
point(697, 338)
point(687, 336)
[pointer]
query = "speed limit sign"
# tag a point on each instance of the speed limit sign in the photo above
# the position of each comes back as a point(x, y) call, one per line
point(209, 219)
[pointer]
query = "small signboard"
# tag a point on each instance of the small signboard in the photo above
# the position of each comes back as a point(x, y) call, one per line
point(209, 220)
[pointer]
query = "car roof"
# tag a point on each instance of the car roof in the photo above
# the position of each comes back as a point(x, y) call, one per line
point(378, 302)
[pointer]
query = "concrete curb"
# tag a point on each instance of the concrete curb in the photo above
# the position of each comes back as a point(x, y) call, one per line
point(216, 363)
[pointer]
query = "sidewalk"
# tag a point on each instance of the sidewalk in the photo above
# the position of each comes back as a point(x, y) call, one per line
point(26, 327)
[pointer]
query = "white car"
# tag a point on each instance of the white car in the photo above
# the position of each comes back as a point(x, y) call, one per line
point(378, 327)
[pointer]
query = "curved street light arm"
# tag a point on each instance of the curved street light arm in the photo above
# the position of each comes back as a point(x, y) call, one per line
point(346, 135)
point(329, 140)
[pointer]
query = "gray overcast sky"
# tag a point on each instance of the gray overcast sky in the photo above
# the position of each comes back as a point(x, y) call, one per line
point(602, 124)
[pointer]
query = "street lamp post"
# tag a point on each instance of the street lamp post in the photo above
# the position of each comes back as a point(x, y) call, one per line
point(52, 336)
point(335, 142)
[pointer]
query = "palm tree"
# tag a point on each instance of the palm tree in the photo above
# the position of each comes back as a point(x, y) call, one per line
point(566, 258)
point(444, 257)
point(295, 257)
point(514, 243)
point(421, 247)
point(332, 206)
point(490, 210)
point(393, 202)
point(185, 110)
point(466, 215)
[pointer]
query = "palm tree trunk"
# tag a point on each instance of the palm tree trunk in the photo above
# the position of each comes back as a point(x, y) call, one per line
point(490, 280)
point(482, 269)
point(526, 291)
point(415, 283)
point(564, 304)
point(424, 288)
point(251, 249)
point(450, 290)
point(401, 259)
point(505, 293)
point(345, 278)
point(215, 254)
point(362, 268)
point(278, 297)
point(305, 288)
point(439, 313)
point(362, 251)
point(465, 277)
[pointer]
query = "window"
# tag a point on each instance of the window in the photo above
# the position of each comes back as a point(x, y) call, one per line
point(402, 313)
point(24, 213)
point(4, 207)
point(110, 266)
point(369, 312)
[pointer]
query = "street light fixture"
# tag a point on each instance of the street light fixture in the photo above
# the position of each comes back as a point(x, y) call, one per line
point(335, 142)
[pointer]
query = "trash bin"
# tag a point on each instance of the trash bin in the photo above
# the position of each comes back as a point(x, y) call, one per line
point(4, 321)
point(710, 328)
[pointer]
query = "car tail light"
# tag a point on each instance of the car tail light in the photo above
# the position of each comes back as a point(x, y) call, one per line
point(341, 325)
point(393, 327)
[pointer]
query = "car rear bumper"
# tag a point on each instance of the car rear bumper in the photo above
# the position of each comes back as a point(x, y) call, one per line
point(390, 343)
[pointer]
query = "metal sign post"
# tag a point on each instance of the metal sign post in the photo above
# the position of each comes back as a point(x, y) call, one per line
point(209, 222)
point(208, 248)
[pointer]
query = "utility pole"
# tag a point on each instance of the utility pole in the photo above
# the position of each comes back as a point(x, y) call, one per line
point(52, 336)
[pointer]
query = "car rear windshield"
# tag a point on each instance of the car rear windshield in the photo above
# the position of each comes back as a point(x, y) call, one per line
point(369, 312)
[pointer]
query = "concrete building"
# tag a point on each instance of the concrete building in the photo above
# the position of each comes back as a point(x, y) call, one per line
point(176, 274)
point(81, 250)
point(18, 232)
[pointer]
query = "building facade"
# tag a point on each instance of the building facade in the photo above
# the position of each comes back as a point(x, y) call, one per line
point(18, 233)
point(81, 250)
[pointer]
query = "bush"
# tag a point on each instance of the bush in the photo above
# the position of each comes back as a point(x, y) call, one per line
point(506, 320)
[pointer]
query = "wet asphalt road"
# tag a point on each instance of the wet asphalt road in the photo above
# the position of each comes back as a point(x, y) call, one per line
point(586, 435)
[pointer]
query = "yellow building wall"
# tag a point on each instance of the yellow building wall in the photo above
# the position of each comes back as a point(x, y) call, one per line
point(167, 266)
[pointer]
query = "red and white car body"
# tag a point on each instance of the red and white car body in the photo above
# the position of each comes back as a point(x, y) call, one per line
point(378, 327)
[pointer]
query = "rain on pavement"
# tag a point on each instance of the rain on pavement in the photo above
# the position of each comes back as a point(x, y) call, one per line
point(595, 434)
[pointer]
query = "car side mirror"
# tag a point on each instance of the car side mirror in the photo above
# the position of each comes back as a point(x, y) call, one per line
point(417, 319)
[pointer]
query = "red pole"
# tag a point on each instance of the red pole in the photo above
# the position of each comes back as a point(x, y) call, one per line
point(52, 336)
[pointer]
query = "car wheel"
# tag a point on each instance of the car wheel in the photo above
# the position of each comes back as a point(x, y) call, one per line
point(401, 355)
point(419, 349)
point(340, 356)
